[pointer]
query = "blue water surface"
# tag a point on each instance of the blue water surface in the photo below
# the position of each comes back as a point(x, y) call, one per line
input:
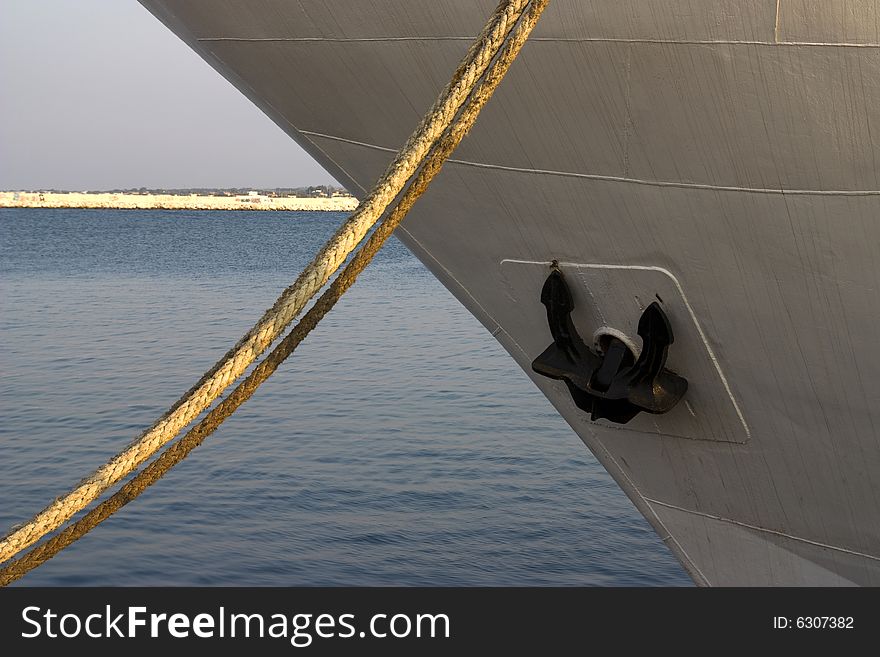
point(400, 445)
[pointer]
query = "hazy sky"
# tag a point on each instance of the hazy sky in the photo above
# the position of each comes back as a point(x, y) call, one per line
point(97, 94)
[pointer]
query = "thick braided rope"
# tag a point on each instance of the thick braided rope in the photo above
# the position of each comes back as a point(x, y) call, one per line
point(181, 449)
point(293, 299)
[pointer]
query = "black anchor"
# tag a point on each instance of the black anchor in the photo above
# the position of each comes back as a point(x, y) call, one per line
point(609, 385)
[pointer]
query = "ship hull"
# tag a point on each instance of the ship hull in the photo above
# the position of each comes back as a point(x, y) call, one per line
point(721, 157)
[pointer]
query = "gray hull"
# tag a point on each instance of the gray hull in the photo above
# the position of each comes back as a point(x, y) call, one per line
point(722, 156)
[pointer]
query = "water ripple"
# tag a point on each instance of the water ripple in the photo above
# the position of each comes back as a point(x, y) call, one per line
point(399, 446)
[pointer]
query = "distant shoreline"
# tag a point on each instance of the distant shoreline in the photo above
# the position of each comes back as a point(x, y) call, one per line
point(125, 201)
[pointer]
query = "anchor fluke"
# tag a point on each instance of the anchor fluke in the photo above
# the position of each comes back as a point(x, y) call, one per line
point(612, 384)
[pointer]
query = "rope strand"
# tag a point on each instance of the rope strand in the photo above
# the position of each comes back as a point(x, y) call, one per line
point(480, 92)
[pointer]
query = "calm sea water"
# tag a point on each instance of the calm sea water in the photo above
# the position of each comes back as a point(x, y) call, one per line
point(399, 446)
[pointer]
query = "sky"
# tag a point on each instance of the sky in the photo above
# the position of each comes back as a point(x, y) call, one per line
point(98, 94)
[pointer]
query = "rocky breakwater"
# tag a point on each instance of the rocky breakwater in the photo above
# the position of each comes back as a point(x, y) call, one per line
point(123, 201)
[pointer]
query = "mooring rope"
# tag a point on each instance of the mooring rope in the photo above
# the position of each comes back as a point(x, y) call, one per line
point(480, 89)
